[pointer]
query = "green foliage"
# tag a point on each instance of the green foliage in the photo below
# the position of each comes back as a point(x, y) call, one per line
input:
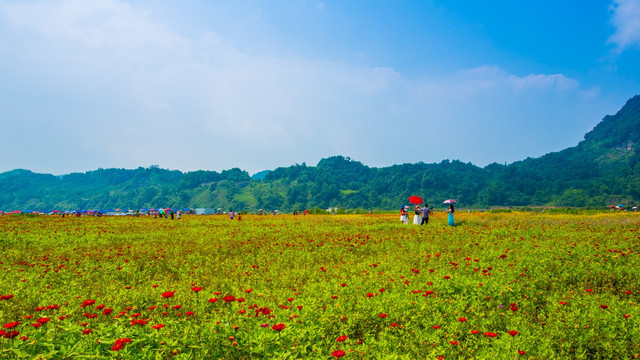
point(498, 286)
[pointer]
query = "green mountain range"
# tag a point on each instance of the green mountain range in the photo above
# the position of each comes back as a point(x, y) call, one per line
point(602, 170)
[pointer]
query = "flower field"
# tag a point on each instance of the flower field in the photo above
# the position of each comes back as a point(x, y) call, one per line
point(498, 286)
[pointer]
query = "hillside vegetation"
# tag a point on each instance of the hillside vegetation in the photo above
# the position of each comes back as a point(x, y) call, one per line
point(603, 169)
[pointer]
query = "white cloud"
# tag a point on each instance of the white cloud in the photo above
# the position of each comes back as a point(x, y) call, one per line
point(557, 81)
point(121, 89)
point(626, 20)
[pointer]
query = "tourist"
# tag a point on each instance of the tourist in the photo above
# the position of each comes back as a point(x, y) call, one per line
point(416, 216)
point(425, 214)
point(403, 215)
point(450, 216)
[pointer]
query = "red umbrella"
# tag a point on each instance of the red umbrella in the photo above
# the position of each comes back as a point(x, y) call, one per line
point(415, 200)
point(449, 201)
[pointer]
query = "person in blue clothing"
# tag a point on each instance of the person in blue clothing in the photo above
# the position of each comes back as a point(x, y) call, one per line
point(450, 211)
point(425, 214)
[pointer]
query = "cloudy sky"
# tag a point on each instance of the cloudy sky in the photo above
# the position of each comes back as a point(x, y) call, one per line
point(197, 84)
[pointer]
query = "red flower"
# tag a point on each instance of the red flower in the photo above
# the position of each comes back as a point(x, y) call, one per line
point(341, 338)
point(11, 325)
point(436, 327)
point(107, 311)
point(475, 332)
point(87, 303)
point(290, 299)
point(168, 294)
point(278, 327)
point(447, 277)
point(43, 320)
point(490, 334)
point(86, 331)
point(338, 354)
point(36, 325)
point(177, 307)
point(626, 316)
point(10, 334)
point(369, 295)
point(521, 352)
point(158, 326)
point(196, 289)
point(120, 344)
point(604, 307)
point(229, 298)
point(382, 315)
point(563, 303)
point(453, 342)
point(6, 297)
point(462, 319)
point(513, 333)
point(212, 300)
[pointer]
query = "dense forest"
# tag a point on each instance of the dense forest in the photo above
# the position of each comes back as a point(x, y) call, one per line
point(602, 170)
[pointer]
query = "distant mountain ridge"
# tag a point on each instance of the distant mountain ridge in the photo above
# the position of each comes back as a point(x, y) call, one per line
point(603, 169)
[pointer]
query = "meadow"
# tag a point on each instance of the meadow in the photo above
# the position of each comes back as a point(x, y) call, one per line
point(513, 285)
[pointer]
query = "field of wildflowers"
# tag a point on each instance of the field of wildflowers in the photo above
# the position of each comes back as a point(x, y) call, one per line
point(497, 286)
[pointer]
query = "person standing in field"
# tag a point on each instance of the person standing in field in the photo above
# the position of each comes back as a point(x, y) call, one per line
point(416, 216)
point(179, 214)
point(450, 211)
point(231, 214)
point(425, 214)
point(403, 215)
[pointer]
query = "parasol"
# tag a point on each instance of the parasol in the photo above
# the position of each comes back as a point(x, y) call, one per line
point(415, 200)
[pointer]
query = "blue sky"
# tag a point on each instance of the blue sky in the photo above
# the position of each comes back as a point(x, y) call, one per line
point(213, 85)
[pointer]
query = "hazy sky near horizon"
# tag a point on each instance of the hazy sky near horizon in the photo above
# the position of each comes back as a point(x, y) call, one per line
point(213, 85)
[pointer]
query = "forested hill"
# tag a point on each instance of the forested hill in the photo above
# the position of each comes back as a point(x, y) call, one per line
point(603, 169)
